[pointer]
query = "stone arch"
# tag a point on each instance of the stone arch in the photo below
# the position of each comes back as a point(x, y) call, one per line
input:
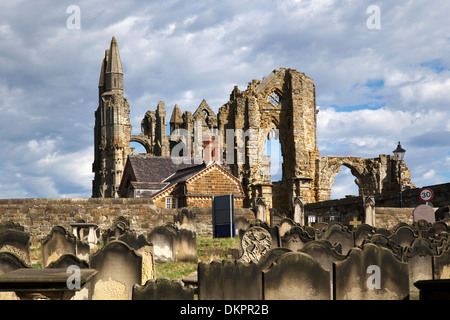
point(365, 178)
point(145, 142)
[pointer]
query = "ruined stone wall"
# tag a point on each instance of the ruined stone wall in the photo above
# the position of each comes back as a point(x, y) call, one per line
point(39, 216)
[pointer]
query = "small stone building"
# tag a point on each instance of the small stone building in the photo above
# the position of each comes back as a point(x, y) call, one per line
point(172, 185)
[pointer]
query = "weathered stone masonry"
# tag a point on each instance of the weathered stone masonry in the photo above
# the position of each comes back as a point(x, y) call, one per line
point(283, 102)
point(39, 216)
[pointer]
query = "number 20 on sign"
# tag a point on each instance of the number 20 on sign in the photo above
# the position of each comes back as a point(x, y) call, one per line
point(426, 194)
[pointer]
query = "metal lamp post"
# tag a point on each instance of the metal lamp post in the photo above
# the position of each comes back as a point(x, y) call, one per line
point(399, 153)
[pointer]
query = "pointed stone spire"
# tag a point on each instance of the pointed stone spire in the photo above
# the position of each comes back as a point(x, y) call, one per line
point(114, 63)
point(176, 120)
point(113, 74)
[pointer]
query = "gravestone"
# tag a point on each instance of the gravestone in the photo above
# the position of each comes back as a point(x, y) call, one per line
point(295, 239)
point(229, 280)
point(424, 212)
point(273, 231)
point(261, 209)
point(362, 232)
point(172, 244)
point(269, 259)
point(420, 262)
point(242, 223)
point(403, 237)
point(299, 212)
point(119, 268)
point(185, 219)
point(59, 242)
point(370, 273)
point(285, 225)
point(10, 261)
point(296, 276)
point(162, 289)
point(255, 242)
point(323, 252)
point(14, 239)
point(69, 260)
point(384, 241)
point(441, 265)
point(143, 248)
point(163, 245)
point(119, 226)
point(337, 233)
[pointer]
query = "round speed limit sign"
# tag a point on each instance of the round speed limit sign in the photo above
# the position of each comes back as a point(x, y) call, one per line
point(426, 194)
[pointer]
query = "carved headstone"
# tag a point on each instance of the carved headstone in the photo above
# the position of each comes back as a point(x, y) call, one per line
point(255, 242)
point(295, 239)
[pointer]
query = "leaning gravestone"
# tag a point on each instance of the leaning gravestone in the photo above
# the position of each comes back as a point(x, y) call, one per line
point(14, 239)
point(59, 242)
point(296, 276)
point(424, 212)
point(370, 273)
point(119, 268)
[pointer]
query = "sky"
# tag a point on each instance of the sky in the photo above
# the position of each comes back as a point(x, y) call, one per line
point(381, 71)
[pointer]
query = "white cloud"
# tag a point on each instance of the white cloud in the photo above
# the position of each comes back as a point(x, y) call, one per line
point(181, 53)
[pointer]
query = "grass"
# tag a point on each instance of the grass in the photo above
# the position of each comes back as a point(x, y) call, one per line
point(208, 249)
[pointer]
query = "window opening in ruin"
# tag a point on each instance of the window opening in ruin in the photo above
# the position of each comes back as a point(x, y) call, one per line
point(274, 99)
point(137, 148)
point(344, 184)
point(272, 158)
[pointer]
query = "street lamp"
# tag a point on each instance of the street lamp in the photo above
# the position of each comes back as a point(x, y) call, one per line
point(399, 153)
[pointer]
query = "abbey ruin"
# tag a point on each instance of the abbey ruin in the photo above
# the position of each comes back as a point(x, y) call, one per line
point(280, 106)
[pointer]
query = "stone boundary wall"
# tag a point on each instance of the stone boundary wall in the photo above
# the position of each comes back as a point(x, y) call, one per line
point(388, 218)
point(39, 216)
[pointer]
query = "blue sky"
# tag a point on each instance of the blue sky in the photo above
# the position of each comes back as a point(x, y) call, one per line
point(374, 87)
